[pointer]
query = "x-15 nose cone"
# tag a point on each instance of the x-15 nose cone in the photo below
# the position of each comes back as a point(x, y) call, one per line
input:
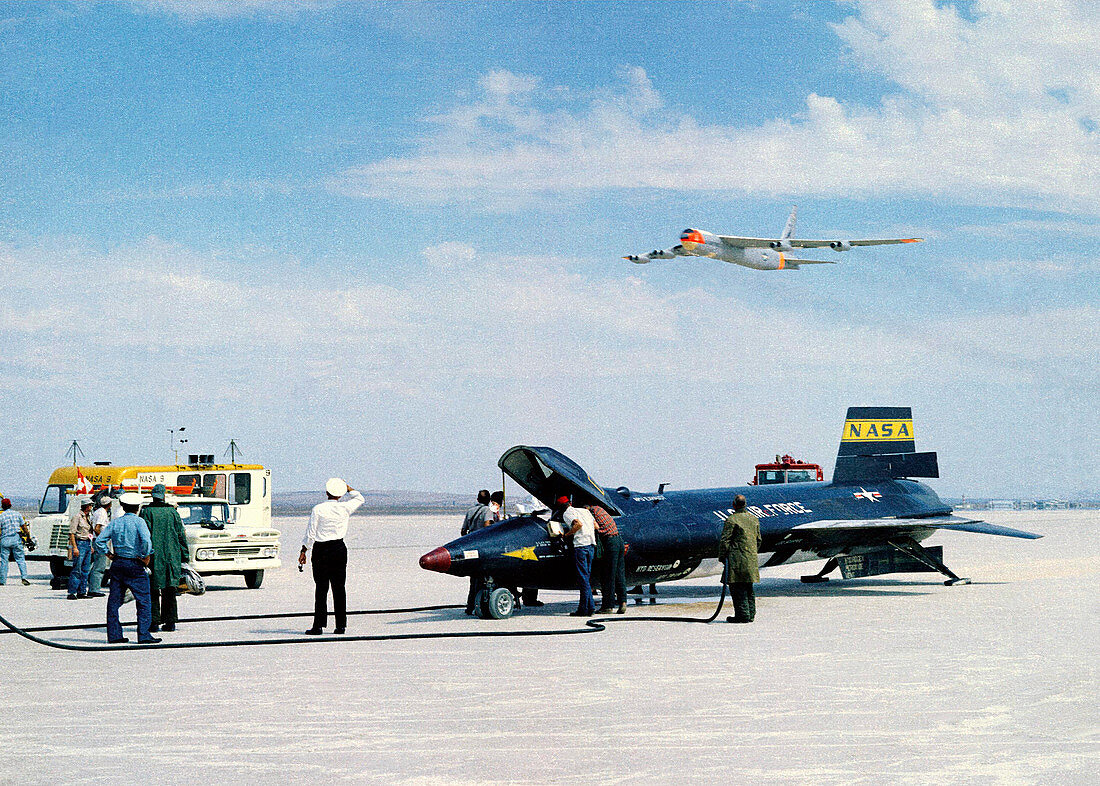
point(438, 560)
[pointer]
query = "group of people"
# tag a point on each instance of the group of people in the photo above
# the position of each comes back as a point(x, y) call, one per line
point(591, 525)
point(89, 563)
point(145, 553)
point(586, 526)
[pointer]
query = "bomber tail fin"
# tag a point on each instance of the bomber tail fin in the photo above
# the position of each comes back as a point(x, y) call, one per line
point(877, 444)
point(788, 229)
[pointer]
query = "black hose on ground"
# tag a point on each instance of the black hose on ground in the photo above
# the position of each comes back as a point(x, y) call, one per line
point(590, 626)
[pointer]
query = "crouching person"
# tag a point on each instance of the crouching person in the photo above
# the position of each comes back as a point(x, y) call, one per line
point(132, 550)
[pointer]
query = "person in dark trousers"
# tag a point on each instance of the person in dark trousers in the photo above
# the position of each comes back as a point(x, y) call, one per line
point(613, 564)
point(169, 554)
point(129, 536)
point(582, 527)
point(739, 548)
point(498, 514)
point(328, 523)
point(477, 516)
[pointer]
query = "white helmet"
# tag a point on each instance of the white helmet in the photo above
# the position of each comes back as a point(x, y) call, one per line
point(336, 487)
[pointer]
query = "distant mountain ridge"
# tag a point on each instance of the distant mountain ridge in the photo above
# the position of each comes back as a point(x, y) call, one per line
point(291, 503)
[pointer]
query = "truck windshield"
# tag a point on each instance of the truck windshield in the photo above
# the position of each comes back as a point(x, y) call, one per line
point(801, 476)
point(767, 477)
point(203, 514)
point(54, 500)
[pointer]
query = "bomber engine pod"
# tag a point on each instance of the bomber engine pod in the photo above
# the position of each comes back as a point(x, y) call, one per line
point(869, 519)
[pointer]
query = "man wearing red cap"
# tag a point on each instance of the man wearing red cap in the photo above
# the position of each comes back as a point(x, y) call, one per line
point(582, 526)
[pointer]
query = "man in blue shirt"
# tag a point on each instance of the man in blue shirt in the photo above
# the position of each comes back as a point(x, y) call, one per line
point(132, 546)
point(11, 522)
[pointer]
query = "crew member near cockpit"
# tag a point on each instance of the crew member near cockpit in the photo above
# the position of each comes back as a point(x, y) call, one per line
point(739, 548)
point(582, 526)
point(328, 523)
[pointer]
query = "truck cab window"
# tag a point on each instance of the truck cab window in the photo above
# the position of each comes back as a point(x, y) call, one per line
point(213, 485)
point(54, 500)
point(240, 491)
point(194, 481)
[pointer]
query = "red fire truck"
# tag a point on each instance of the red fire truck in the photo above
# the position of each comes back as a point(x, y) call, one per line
point(786, 469)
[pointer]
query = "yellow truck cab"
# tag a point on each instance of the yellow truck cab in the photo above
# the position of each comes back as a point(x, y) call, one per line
point(225, 508)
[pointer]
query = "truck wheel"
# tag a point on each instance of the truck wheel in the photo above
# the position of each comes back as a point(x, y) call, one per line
point(501, 603)
point(60, 572)
point(253, 578)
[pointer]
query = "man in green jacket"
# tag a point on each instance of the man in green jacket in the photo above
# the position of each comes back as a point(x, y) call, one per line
point(169, 554)
point(738, 548)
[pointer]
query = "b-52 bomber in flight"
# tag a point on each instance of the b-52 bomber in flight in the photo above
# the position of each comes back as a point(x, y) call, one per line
point(759, 253)
point(868, 520)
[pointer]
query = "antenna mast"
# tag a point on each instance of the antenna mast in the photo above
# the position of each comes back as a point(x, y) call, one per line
point(75, 450)
point(233, 450)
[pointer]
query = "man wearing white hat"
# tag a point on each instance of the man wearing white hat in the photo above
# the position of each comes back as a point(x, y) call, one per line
point(132, 544)
point(328, 523)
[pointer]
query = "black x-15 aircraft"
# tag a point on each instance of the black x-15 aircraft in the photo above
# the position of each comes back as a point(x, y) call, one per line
point(869, 520)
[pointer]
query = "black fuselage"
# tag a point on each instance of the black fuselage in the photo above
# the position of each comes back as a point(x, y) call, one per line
point(675, 535)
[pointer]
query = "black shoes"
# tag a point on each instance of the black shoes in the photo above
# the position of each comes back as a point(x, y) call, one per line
point(93, 594)
point(605, 609)
point(154, 628)
point(339, 631)
point(168, 627)
point(580, 614)
point(150, 640)
point(118, 641)
point(71, 597)
point(314, 632)
point(737, 619)
point(621, 609)
point(26, 583)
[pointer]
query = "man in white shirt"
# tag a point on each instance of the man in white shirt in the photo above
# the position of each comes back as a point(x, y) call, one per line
point(582, 526)
point(100, 518)
point(328, 523)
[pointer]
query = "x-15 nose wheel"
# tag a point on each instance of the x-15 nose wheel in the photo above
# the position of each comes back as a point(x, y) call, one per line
point(498, 604)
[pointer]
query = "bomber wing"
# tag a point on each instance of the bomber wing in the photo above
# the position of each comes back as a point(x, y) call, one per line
point(763, 242)
point(671, 253)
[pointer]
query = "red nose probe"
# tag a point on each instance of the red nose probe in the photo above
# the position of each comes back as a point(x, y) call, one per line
point(438, 560)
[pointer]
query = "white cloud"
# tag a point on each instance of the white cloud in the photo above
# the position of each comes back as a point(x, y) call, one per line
point(194, 10)
point(994, 111)
point(485, 348)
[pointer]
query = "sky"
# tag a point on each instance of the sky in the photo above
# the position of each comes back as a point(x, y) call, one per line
point(383, 240)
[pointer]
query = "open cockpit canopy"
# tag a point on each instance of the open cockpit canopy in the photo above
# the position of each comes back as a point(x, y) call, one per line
point(547, 475)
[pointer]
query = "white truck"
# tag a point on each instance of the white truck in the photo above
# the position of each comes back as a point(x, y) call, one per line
point(226, 513)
